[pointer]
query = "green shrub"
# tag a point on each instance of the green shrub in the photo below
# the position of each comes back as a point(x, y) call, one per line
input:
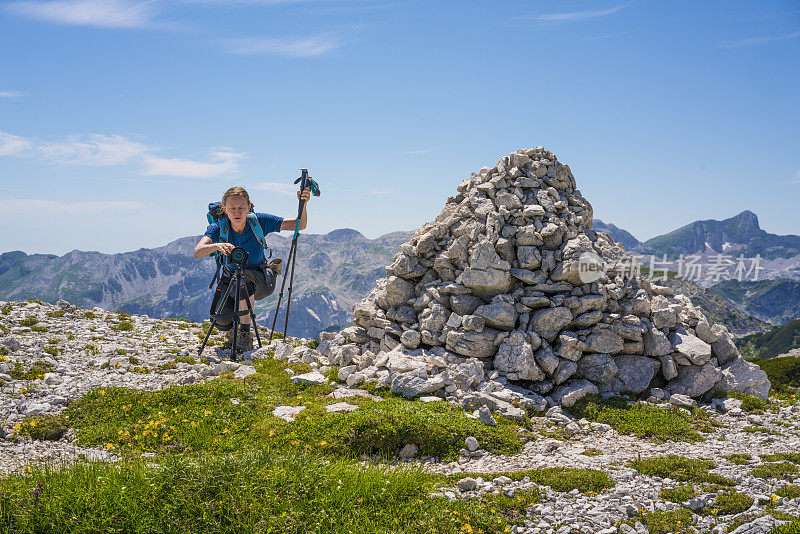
point(642, 420)
point(783, 373)
point(121, 352)
point(731, 503)
point(793, 457)
point(56, 314)
point(185, 359)
point(738, 459)
point(6, 309)
point(783, 470)
point(28, 321)
point(44, 427)
point(89, 315)
point(679, 494)
point(36, 371)
point(679, 468)
point(676, 522)
point(792, 491)
point(39, 329)
point(123, 326)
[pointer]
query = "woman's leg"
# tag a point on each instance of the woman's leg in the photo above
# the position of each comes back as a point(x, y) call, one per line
point(245, 319)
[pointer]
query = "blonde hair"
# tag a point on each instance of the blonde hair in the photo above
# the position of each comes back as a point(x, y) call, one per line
point(236, 191)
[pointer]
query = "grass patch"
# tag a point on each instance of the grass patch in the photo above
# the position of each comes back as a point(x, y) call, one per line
point(28, 321)
point(513, 509)
point(257, 492)
point(783, 373)
point(56, 314)
point(792, 491)
point(731, 503)
point(53, 351)
point(592, 452)
point(185, 359)
point(676, 522)
point(750, 403)
point(643, 420)
point(680, 469)
point(121, 352)
point(788, 528)
point(738, 459)
point(793, 457)
point(784, 470)
point(43, 427)
point(35, 371)
point(680, 494)
point(202, 417)
point(123, 326)
point(39, 329)
point(89, 315)
point(6, 309)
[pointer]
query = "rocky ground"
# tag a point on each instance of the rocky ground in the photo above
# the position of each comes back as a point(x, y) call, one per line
point(57, 353)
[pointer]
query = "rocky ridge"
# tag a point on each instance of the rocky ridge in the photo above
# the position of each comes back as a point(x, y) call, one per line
point(492, 304)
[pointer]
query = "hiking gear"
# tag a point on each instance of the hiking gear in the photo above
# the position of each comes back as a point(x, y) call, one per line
point(276, 266)
point(238, 288)
point(305, 181)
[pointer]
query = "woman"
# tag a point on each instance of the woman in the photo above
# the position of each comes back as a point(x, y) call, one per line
point(260, 280)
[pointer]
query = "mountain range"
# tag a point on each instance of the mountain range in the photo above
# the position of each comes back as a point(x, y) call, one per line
point(335, 270)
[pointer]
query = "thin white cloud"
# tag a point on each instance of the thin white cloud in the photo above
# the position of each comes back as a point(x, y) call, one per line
point(285, 47)
point(97, 150)
point(277, 187)
point(10, 94)
point(572, 15)
point(13, 145)
point(98, 13)
point(94, 150)
point(759, 40)
point(226, 164)
point(22, 206)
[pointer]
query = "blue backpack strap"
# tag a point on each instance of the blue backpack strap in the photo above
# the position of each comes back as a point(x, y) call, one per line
point(223, 230)
point(256, 227)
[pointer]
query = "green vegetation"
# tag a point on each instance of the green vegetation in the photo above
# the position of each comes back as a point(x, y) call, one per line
point(226, 493)
point(513, 509)
point(750, 403)
point(121, 352)
point(56, 314)
point(35, 371)
point(738, 459)
point(592, 452)
point(133, 360)
point(4, 352)
point(123, 326)
point(6, 309)
point(644, 420)
point(784, 470)
point(788, 528)
point(39, 329)
point(783, 373)
point(793, 457)
point(680, 494)
point(89, 315)
point(777, 341)
point(53, 351)
point(760, 430)
point(43, 427)
point(676, 522)
point(185, 359)
point(680, 469)
point(731, 503)
point(564, 479)
point(28, 321)
point(792, 491)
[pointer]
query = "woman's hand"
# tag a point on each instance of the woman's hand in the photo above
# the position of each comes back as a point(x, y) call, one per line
point(225, 248)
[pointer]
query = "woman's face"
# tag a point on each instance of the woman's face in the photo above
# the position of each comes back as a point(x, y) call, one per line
point(236, 208)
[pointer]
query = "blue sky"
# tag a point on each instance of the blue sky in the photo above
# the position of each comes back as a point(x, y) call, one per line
point(121, 119)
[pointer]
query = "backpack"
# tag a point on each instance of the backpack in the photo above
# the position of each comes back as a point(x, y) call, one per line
point(217, 214)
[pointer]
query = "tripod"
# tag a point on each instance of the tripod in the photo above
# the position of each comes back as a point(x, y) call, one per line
point(241, 293)
point(305, 181)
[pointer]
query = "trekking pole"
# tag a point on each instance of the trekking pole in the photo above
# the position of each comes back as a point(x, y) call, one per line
point(305, 181)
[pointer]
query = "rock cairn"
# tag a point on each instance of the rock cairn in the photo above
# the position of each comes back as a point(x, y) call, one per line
point(490, 304)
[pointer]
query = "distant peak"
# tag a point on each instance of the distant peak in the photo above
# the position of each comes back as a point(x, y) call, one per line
point(746, 218)
point(343, 234)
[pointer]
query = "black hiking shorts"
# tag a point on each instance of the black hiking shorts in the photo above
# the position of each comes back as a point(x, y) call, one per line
point(258, 281)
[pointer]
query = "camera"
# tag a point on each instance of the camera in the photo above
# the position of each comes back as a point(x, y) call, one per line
point(238, 256)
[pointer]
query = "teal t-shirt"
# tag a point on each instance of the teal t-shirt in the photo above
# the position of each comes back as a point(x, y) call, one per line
point(247, 239)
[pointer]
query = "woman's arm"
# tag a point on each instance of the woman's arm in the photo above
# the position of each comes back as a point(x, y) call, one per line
point(289, 224)
point(206, 247)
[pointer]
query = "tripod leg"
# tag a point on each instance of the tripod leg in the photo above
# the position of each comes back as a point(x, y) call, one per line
point(280, 295)
point(208, 335)
point(252, 316)
point(289, 297)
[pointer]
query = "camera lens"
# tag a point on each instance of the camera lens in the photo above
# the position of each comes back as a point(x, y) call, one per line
point(238, 256)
